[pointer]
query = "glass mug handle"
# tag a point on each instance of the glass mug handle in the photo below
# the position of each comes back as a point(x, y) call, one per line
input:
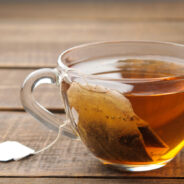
point(43, 76)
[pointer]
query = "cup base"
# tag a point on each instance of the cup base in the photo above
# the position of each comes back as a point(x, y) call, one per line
point(135, 168)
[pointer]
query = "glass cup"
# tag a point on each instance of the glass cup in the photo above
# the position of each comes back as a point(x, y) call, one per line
point(123, 100)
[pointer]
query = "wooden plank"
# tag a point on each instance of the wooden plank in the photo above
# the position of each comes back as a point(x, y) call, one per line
point(31, 55)
point(33, 35)
point(38, 43)
point(86, 31)
point(94, 10)
point(47, 95)
point(12, 79)
point(87, 181)
point(10, 84)
point(67, 158)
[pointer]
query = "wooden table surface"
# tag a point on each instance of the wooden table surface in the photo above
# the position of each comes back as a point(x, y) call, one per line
point(32, 35)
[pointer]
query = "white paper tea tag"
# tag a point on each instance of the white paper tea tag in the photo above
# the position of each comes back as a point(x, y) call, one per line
point(12, 150)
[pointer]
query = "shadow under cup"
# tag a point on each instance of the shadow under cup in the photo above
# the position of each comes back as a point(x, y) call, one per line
point(126, 101)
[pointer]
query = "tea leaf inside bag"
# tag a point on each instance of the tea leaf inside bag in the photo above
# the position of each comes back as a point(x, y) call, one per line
point(108, 125)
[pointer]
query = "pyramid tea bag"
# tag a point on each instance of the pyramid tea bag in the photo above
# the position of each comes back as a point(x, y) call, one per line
point(108, 125)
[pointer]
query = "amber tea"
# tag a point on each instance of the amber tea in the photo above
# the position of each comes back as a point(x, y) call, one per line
point(123, 99)
point(141, 125)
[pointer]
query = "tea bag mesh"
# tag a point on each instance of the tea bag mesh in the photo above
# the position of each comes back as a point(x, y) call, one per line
point(109, 127)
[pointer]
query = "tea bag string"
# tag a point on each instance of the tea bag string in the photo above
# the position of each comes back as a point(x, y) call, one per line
point(52, 143)
point(13, 150)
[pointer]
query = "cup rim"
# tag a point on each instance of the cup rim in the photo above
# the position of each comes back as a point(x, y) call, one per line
point(128, 80)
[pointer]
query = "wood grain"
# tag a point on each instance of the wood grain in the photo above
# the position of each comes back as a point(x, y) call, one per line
point(40, 55)
point(31, 55)
point(94, 10)
point(10, 85)
point(87, 181)
point(88, 31)
point(67, 158)
point(33, 35)
point(47, 95)
point(13, 77)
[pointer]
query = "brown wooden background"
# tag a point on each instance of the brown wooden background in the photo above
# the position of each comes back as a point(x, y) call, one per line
point(32, 35)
